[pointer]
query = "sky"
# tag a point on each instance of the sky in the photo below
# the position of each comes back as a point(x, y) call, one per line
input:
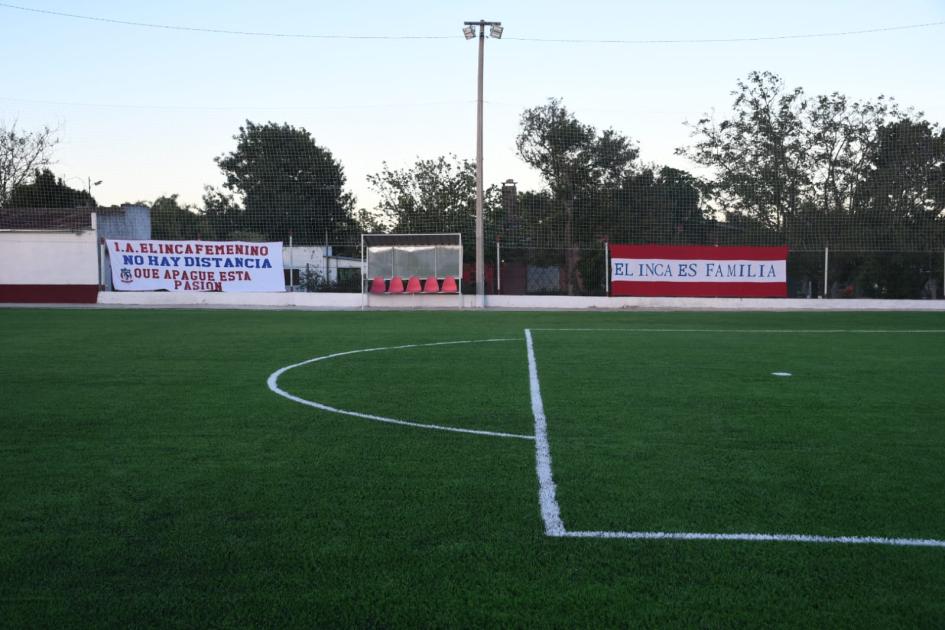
point(145, 110)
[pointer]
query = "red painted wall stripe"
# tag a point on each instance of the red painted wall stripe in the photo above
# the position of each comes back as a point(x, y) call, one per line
point(49, 293)
point(698, 252)
point(700, 289)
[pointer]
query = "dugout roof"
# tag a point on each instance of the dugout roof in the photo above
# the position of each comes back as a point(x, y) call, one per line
point(407, 240)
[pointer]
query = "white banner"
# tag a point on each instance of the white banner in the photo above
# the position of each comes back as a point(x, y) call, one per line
point(195, 266)
point(690, 270)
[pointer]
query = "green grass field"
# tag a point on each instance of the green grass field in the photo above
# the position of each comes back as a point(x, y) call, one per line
point(149, 475)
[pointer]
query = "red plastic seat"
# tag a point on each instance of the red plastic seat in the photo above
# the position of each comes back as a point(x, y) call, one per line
point(431, 285)
point(449, 285)
point(396, 285)
point(378, 285)
point(413, 285)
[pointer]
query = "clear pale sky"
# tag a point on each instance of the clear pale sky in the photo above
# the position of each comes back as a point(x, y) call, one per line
point(146, 110)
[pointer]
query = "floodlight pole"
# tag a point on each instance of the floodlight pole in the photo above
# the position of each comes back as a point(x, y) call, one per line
point(480, 232)
point(480, 235)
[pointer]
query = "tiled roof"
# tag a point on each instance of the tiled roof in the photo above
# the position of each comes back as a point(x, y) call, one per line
point(58, 219)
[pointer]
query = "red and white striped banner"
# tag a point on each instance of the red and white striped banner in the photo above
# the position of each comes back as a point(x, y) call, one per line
point(698, 271)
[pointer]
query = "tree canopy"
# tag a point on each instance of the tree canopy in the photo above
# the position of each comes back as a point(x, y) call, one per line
point(287, 184)
point(171, 220)
point(822, 171)
point(572, 156)
point(48, 191)
point(432, 195)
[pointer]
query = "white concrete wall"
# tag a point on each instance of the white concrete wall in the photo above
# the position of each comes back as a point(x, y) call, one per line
point(331, 301)
point(298, 256)
point(48, 258)
point(323, 301)
point(563, 302)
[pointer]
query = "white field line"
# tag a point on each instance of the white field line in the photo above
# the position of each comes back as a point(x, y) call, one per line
point(273, 381)
point(806, 538)
point(746, 330)
point(550, 512)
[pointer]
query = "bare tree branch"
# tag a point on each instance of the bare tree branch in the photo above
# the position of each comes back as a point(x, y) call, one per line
point(23, 153)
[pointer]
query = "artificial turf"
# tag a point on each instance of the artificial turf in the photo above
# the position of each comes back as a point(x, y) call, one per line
point(150, 477)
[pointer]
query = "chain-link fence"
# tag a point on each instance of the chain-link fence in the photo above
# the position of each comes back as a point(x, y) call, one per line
point(814, 274)
point(854, 189)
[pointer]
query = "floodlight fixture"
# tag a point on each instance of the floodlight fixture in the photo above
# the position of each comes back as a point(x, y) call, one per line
point(496, 30)
point(469, 32)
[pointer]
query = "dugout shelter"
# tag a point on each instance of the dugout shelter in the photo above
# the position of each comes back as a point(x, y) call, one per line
point(405, 269)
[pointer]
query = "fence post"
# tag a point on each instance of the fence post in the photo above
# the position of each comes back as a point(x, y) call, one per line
point(363, 272)
point(98, 251)
point(291, 279)
point(498, 268)
point(826, 267)
point(606, 269)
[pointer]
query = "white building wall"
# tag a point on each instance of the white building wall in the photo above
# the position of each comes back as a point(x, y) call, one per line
point(48, 258)
point(297, 257)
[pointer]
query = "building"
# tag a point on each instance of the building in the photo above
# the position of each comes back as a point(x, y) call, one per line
point(52, 255)
point(315, 268)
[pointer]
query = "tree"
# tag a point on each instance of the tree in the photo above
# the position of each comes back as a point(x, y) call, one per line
point(840, 134)
point(287, 184)
point(661, 205)
point(46, 191)
point(172, 221)
point(902, 195)
point(576, 163)
point(370, 221)
point(433, 195)
point(22, 153)
point(223, 213)
point(758, 154)
point(898, 206)
point(857, 176)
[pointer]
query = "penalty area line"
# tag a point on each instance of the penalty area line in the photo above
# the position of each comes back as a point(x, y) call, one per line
point(765, 331)
point(752, 537)
point(547, 493)
point(551, 510)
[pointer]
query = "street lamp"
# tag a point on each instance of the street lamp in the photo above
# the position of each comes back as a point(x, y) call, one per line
point(469, 30)
point(91, 183)
point(88, 184)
